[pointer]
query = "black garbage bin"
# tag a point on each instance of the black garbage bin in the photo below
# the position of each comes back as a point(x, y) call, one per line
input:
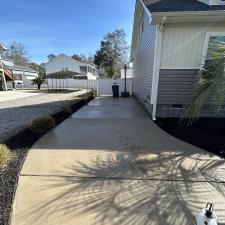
point(115, 90)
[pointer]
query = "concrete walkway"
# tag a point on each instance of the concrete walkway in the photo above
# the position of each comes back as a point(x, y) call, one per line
point(110, 164)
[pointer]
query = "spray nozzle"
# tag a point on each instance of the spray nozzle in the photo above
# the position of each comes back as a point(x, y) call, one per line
point(209, 210)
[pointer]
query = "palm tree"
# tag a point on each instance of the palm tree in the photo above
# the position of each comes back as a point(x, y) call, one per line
point(210, 84)
point(38, 81)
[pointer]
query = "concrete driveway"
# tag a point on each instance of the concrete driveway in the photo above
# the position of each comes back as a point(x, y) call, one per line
point(110, 164)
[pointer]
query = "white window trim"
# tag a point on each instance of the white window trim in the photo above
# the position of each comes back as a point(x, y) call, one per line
point(206, 44)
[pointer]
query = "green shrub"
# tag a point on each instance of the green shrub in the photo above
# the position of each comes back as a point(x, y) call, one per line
point(41, 125)
point(5, 155)
point(93, 92)
point(67, 111)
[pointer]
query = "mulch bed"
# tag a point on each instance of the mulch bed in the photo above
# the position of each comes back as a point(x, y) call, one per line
point(206, 133)
point(20, 144)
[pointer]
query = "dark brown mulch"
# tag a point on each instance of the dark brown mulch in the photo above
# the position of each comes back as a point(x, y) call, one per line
point(206, 133)
point(20, 145)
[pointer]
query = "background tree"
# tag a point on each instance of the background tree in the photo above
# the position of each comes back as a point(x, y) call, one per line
point(42, 71)
point(113, 53)
point(41, 79)
point(83, 58)
point(51, 56)
point(210, 84)
point(17, 52)
point(38, 81)
point(33, 65)
point(77, 57)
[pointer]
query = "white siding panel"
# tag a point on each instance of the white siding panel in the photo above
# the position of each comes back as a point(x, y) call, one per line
point(61, 62)
point(183, 46)
point(144, 63)
point(8, 62)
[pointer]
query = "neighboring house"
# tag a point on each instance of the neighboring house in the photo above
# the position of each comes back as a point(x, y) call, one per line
point(20, 72)
point(25, 72)
point(17, 73)
point(64, 62)
point(169, 46)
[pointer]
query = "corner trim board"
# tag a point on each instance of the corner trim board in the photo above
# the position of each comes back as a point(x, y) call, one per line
point(157, 61)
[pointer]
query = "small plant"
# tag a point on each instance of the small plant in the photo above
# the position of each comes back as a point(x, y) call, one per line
point(5, 155)
point(67, 111)
point(94, 92)
point(38, 81)
point(41, 125)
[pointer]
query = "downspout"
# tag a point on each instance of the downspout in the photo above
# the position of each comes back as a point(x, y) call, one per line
point(146, 10)
point(159, 40)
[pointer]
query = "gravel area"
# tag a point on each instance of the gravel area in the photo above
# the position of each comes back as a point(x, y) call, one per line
point(21, 143)
point(8, 180)
point(15, 115)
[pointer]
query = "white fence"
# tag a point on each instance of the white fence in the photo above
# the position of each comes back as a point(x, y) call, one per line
point(103, 86)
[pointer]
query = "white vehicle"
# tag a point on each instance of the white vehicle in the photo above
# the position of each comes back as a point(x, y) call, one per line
point(207, 216)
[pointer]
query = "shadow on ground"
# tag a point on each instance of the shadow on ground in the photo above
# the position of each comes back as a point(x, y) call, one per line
point(106, 194)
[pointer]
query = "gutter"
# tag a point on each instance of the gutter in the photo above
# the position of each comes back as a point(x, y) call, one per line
point(146, 9)
point(157, 62)
point(190, 13)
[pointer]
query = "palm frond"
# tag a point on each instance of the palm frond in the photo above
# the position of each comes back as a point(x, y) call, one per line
point(209, 86)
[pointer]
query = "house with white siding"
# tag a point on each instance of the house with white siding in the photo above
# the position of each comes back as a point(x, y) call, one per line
point(63, 62)
point(169, 45)
point(15, 73)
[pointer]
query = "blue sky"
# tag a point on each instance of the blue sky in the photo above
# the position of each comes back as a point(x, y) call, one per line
point(69, 26)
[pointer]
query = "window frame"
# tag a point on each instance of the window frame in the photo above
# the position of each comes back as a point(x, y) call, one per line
point(206, 45)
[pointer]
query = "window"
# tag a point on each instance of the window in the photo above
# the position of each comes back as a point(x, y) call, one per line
point(83, 69)
point(214, 45)
point(214, 50)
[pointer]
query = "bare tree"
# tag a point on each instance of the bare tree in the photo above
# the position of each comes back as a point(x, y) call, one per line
point(17, 52)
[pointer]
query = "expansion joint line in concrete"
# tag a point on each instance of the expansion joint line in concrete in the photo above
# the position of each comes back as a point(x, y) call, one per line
point(123, 178)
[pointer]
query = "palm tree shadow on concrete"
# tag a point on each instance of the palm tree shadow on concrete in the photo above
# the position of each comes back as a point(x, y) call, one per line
point(133, 189)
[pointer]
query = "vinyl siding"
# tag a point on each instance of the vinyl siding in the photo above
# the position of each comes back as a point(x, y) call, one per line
point(61, 62)
point(144, 63)
point(175, 86)
point(175, 89)
point(183, 45)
